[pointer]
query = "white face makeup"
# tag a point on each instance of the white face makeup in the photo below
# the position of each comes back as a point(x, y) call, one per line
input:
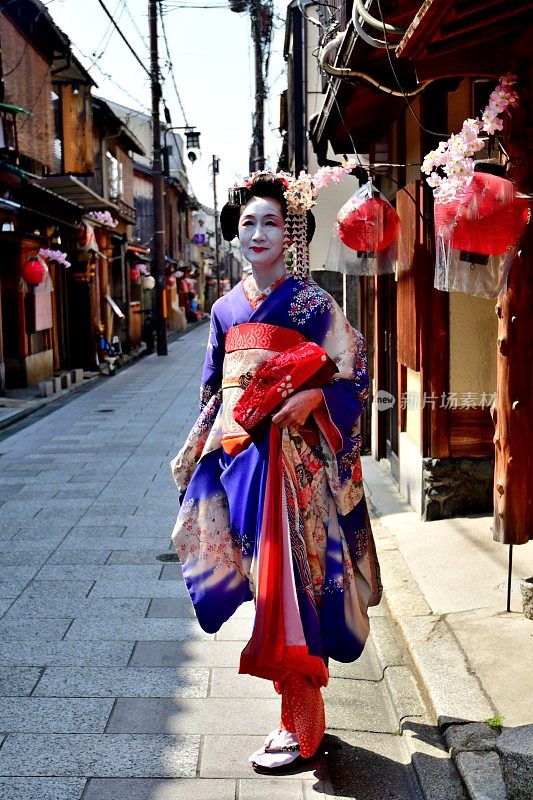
point(262, 232)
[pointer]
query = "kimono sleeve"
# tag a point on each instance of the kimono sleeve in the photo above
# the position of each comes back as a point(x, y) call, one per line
point(214, 360)
point(345, 397)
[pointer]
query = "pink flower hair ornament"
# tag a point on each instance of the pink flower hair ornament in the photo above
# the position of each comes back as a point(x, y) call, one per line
point(300, 193)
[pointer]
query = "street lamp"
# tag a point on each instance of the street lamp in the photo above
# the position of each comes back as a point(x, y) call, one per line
point(192, 142)
point(192, 136)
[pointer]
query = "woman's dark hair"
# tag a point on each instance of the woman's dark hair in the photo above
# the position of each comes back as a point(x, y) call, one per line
point(263, 185)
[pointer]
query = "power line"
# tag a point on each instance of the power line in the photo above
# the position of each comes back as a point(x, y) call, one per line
point(19, 62)
point(109, 29)
point(128, 45)
point(396, 78)
point(175, 6)
point(39, 93)
point(170, 64)
point(132, 18)
point(108, 77)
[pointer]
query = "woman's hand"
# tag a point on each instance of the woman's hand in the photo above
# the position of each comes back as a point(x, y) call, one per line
point(296, 409)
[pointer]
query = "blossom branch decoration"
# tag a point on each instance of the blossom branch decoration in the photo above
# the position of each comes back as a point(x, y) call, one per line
point(103, 217)
point(454, 157)
point(326, 175)
point(54, 255)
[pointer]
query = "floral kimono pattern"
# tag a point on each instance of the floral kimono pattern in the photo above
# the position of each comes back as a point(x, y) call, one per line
point(282, 518)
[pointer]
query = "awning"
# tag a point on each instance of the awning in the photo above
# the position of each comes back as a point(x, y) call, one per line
point(72, 189)
point(453, 38)
point(141, 253)
point(10, 108)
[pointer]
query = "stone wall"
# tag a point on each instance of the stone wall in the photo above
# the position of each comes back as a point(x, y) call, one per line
point(454, 487)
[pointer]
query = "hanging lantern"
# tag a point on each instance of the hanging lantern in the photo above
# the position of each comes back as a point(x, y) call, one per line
point(477, 234)
point(365, 235)
point(192, 139)
point(369, 225)
point(135, 273)
point(148, 282)
point(86, 236)
point(488, 217)
point(34, 271)
point(171, 281)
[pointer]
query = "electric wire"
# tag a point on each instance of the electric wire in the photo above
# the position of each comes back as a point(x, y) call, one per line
point(374, 168)
point(110, 78)
point(142, 36)
point(19, 62)
point(396, 78)
point(176, 6)
point(170, 64)
point(109, 30)
point(354, 148)
point(124, 39)
point(37, 98)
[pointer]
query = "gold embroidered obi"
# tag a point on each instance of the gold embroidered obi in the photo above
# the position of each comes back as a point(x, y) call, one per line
point(247, 346)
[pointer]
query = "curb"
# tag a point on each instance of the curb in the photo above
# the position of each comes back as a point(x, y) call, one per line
point(455, 698)
point(437, 775)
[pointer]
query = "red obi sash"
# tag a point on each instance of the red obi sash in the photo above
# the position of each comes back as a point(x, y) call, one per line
point(261, 336)
point(302, 367)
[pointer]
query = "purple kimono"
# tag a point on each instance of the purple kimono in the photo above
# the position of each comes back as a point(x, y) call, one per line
point(324, 556)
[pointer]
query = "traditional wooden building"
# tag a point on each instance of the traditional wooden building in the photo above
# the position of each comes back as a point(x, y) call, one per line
point(66, 166)
point(397, 78)
point(44, 102)
point(179, 204)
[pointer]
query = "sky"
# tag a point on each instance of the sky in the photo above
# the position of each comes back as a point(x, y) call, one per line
point(211, 50)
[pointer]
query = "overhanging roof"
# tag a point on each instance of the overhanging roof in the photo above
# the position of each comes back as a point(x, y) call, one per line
point(10, 108)
point(464, 37)
point(72, 189)
point(103, 112)
point(34, 20)
point(444, 39)
point(365, 112)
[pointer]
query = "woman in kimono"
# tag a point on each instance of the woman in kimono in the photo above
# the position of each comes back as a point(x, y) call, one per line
point(272, 500)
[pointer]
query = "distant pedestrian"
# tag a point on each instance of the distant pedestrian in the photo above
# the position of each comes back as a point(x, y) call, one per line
point(272, 505)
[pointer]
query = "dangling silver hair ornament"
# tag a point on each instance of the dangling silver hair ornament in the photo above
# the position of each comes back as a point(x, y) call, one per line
point(300, 195)
point(299, 246)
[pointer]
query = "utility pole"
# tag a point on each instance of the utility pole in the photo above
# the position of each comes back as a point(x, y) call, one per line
point(215, 167)
point(158, 185)
point(261, 18)
point(257, 155)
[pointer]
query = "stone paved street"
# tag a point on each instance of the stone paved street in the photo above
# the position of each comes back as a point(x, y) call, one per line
point(109, 689)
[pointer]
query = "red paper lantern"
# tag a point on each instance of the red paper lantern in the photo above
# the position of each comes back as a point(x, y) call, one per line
point(86, 237)
point(135, 274)
point(34, 271)
point(171, 281)
point(488, 218)
point(369, 227)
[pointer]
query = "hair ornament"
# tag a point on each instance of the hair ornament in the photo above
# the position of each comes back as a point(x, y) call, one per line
point(238, 195)
point(300, 193)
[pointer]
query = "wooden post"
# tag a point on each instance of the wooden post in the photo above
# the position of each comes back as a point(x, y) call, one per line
point(513, 414)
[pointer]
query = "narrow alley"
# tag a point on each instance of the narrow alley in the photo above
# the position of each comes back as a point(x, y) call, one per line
point(110, 689)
